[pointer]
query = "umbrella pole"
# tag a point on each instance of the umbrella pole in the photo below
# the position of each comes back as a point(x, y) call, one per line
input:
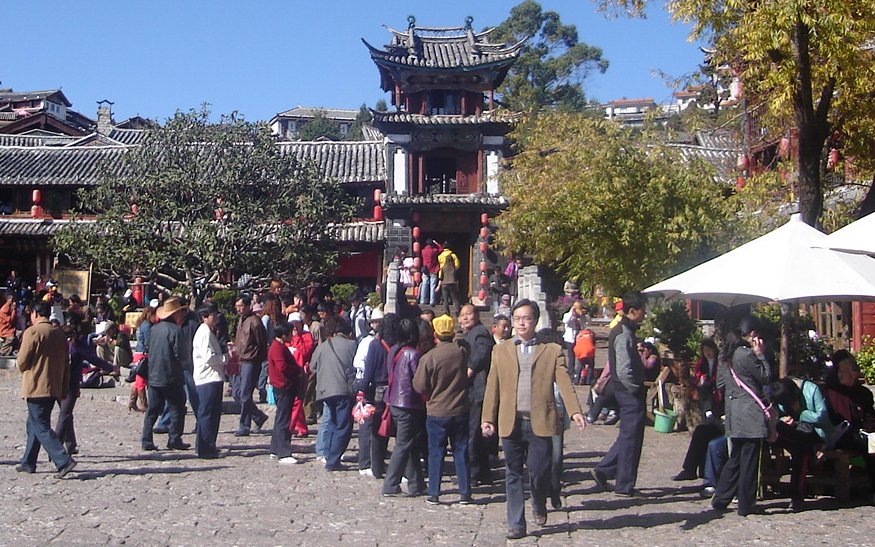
point(784, 364)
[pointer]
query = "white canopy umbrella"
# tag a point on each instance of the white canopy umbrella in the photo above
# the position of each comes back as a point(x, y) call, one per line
point(781, 266)
point(856, 237)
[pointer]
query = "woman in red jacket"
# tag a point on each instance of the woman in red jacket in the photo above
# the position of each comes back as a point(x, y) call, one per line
point(283, 373)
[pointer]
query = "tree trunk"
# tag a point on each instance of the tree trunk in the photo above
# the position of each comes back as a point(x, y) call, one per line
point(192, 289)
point(811, 124)
point(867, 206)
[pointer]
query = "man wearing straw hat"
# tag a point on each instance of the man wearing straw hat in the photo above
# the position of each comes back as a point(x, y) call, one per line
point(166, 379)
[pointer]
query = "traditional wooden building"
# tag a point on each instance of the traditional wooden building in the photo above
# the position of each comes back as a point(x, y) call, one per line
point(444, 140)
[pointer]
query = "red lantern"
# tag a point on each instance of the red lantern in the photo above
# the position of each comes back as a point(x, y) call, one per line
point(37, 197)
point(481, 294)
point(135, 208)
point(416, 247)
point(36, 211)
point(739, 182)
point(378, 212)
point(417, 277)
point(483, 280)
point(484, 219)
point(417, 262)
point(483, 266)
point(415, 217)
point(784, 148)
point(833, 159)
point(416, 232)
point(377, 194)
point(742, 162)
point(484, 232)
point(483, 246)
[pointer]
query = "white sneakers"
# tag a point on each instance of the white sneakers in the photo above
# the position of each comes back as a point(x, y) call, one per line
point(289, 460)
point(366, 472)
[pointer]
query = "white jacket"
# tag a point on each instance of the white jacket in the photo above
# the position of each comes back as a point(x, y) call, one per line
point(209, 359)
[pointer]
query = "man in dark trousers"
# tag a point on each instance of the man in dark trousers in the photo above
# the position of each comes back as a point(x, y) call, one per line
point(478, 341)
point(520, 399)
point(627, 375)
point(251, 343)
point(44, 362)
point(166, 379)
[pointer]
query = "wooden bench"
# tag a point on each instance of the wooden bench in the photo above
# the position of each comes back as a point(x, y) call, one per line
point(832, 474)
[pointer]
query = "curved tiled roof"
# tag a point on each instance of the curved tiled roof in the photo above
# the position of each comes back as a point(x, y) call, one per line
point(444, 119)
point(31, 227)
point(722, 159)
point(38, 140)
point(354, 161)
point(359, 232)
point(58, 166)
point(127, 136)
point(450, 47)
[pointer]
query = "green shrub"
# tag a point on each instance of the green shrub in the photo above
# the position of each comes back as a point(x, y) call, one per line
point(343, 292)
point(374, 300)
point(866, 360)
point(675, 328)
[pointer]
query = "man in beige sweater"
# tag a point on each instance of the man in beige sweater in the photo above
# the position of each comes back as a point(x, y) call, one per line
point(44, 362)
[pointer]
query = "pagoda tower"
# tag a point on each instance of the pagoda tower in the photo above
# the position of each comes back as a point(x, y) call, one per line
point(445, 140)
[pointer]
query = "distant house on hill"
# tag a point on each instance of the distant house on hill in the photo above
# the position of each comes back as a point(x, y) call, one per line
point(287, 125)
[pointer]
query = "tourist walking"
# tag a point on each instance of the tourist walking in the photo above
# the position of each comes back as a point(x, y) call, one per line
point(45, 375)
point(251, 343)
point(335, 374)
point(519, 398)
point(283, 374)
point(208, 359)
point(627, 378)
point(166, 380)
point(442, 377)
point(479, 343)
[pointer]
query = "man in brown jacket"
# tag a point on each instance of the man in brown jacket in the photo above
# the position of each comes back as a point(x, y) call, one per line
point(519, 396)
point(44, 362)
point(442, 376)
point(251, 341)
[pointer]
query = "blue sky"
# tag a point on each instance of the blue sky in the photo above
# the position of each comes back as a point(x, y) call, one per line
point(259, 58)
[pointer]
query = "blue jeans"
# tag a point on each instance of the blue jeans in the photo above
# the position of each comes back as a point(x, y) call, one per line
point(209, 415)
point(191, 396)
point(40, 434)
point(246, 381)
point(174, 396)
point(621, 461)
point(440, 429)
point(320, 435)
point(524, 446)
point(337, 425)
point(427, 292)
point(715, 459)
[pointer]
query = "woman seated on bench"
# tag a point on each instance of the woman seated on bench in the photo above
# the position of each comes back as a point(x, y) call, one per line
point(802, 429)
point(851, 401)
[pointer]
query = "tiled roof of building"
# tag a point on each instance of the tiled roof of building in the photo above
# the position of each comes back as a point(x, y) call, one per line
point(352, 161)
point(9, 96)
point(499, 116)
point(127, 136)
point(58, 166)
point(40, 139)
point(445, 200)
point(331, 113)
point(30, 227)
point(445, 47)
point(722, 159)
point(718, 139)
point(371, 133)
point(359, 232)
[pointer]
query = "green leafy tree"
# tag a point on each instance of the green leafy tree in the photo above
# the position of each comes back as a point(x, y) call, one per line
point(363, 117)
point(550, 69)
point(381, 106)
point(198, 200)
point(811, 63)
point(606, 205)
point(320, 127)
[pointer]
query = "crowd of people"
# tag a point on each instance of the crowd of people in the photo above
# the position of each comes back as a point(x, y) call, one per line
point(430, 382)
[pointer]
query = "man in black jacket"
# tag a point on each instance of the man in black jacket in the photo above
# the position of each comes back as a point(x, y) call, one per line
point(627, 375)
point(479, 344)
point(166, 379)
